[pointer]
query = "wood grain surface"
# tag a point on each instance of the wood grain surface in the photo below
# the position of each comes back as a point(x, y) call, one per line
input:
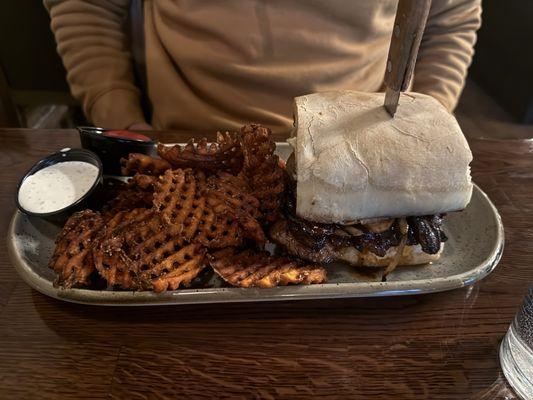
point(437, 346)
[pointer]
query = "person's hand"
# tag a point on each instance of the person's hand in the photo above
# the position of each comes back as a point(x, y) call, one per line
point(140, 126)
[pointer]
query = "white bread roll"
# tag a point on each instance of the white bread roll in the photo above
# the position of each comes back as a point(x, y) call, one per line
point(354, 161)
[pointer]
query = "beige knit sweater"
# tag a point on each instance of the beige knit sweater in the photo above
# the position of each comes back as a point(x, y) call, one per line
point(218, 64)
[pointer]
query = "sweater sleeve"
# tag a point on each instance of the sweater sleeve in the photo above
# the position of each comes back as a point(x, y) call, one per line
point(446, 49)
point(92, 42)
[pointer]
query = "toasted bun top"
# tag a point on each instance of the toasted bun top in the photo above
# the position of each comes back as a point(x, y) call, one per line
point(354, 161)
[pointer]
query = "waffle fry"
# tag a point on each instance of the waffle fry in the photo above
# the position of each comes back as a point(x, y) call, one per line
point(223, 155)
point(141, 181)
point(214, 212)
point(234, 192)
point(229, 195)
point(178, 198)
point(262, 168)
point(72, 257)
point(143, 164)
point(110, 258)
point(122, 219)
point(171, 265)
point(139, 251)
point(137, 193)
point(259, 269)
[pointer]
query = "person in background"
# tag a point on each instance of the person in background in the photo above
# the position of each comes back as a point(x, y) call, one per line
point(214, 64)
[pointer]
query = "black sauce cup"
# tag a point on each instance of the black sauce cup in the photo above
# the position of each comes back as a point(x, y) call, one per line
point(91, 199)
point(111, 149)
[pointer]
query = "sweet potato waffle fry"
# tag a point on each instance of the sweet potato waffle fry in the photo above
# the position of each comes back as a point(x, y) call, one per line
point(143, 164)
point(178, 198)
point(213, 211)
point(72, 257)
point(233, 191)
point(110, 259)
point(144, 182)
point(262, 168)
point(223, 155)
point(171, 265)
point(139, 251)
point(230, 195)
point(137, 193)
point(249, 268)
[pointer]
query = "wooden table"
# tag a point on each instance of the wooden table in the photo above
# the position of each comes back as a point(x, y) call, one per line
point(438, 346)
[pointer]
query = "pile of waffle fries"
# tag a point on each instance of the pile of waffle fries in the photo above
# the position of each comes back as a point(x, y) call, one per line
point(198, 208)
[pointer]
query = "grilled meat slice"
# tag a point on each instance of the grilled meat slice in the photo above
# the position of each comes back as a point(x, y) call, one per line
point(315, 249)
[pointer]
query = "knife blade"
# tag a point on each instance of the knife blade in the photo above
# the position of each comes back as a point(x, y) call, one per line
point(409, 24)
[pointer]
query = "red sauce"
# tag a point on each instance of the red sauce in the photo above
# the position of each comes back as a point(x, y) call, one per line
point(127, 135)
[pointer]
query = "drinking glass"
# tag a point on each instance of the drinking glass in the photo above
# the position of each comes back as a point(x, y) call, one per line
point(516, 351)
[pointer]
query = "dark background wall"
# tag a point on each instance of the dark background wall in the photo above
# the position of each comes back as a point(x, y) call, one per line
point(27, 47)
point(503, 64)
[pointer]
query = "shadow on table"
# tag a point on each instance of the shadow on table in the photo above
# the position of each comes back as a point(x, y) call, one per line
point(274, 318)
point(439, 313)
point(224, 311)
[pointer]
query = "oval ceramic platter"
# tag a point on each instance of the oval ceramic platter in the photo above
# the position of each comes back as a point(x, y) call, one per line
point(474, 247)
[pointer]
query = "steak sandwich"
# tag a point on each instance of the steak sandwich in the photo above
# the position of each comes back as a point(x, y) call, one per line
point(368, 189)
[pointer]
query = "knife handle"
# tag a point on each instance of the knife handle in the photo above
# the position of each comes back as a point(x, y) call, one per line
point(409, 24)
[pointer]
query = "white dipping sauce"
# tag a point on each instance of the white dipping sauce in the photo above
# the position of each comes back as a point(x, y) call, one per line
point(57, 186)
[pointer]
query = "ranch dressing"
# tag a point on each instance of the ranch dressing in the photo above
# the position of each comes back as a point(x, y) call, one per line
point(56, 186)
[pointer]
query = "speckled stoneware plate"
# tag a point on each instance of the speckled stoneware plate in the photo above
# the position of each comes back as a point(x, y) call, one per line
point(473, 250)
